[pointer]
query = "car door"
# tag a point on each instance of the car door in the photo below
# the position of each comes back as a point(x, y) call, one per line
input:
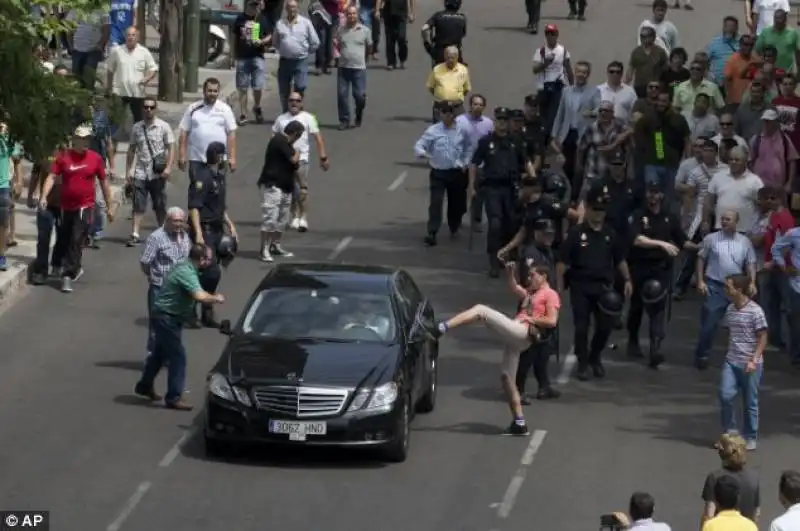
point(412, 298)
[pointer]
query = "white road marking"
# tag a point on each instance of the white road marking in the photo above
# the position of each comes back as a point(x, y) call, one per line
point(397, 182)
point(566, 367)
point(505, 506)
point(341, 246)
point(175, 451)
point(130, 506)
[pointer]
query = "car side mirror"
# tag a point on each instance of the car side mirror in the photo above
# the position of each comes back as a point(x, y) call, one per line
point(225, 328)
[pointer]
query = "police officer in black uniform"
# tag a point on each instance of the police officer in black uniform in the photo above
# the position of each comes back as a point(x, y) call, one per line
point(657, 238)
point(590, 257)
point(445, 28)
point(557, 192)
point(503, 159)
point(533, 206)
point(536, 135)
point(208, 217)
point(539, 253)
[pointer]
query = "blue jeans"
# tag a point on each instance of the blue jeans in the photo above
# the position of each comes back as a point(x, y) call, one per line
point(167, 350)
point(99, 214)
point(152, 293)
point(663, 176)
point(773, 296)
point(351, 80)
point(251, 73)
point(712, 314)
point(735, 381)
point(292, 77)
point(47, 221)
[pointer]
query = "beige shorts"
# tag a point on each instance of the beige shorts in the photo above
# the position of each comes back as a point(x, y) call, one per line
point(513, 333)
point(276, 206)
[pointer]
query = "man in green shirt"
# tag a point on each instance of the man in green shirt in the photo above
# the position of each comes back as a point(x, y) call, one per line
point(173, 307)
point(10, 187)
point(784, 39)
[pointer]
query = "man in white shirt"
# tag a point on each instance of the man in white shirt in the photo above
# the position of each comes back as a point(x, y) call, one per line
point(614, 90)
point(130, 68)
point(789, 495)
point(552, 67)
point(666, 32)
point(760, 14)
point(210, 120)
point(88, 44)
point(303, 146)
point(735, 190)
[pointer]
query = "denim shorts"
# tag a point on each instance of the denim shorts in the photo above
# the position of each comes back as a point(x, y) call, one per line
point(251, 73)
point(6, 206)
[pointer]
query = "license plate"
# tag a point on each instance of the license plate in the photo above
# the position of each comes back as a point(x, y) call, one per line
point(298, 431)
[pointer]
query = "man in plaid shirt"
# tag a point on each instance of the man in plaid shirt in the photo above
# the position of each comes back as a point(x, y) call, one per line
point(607, 135)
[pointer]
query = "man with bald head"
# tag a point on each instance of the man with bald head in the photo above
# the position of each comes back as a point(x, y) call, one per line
point(126, 77)
point(722, 254)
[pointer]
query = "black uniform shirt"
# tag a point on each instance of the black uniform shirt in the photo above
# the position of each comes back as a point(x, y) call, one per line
point(535, 135)
point(502, 158)
point(207, 195)
point(592, 255)
point(664, 226)
point(621, 203)
point(449, 28)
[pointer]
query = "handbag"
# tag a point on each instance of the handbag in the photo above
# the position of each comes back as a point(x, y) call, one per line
point(159, 161)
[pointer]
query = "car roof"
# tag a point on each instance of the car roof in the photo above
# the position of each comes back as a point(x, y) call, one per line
point(345, 277)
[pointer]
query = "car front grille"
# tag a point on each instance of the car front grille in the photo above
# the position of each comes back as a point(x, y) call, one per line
point(300, 401)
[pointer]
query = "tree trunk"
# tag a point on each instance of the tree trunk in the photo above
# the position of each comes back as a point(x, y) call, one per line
point(170, 52)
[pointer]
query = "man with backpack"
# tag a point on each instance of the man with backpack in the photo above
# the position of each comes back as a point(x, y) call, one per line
point(772, 154)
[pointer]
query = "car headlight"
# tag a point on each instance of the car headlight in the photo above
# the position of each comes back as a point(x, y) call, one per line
point(219, 386)
point(382, 397)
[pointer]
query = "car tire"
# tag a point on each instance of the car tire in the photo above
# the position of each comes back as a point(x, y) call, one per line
point(428, 401)
point(215, 448)
point(396, 451)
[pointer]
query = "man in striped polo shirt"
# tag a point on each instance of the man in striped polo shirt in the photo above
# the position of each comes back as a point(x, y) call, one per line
point(744, 360)
point(722, 254)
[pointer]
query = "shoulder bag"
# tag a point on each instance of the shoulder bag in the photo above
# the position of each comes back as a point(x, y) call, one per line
point(159, 161)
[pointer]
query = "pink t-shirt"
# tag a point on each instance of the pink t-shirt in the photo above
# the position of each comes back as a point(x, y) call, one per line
point(536, 305)
point(771, 162)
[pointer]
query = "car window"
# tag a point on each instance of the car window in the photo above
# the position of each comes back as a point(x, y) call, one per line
point(302, 313)
point(409, 293)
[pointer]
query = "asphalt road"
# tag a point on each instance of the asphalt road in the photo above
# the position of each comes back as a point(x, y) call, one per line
point(76, 442)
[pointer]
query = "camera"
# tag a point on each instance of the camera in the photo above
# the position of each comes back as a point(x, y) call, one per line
point(609, 522)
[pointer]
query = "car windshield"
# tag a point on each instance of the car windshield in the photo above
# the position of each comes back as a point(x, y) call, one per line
point(322, 314)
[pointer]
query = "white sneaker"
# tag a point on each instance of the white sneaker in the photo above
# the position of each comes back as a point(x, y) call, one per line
point(277, 250)
point(295, 223)
point(66, 285)
point(302, 225)
point(266, 256)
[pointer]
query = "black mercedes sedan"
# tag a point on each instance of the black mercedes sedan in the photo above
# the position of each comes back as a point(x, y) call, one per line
point(325, 354)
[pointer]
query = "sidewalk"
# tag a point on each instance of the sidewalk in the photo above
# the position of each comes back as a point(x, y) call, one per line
point(21, 256)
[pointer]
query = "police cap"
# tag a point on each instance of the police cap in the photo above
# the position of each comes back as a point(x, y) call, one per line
point(532, 100)
point(452, 5)
point(445, 107)
point(654, 187)
point(545, 225)
point(502, 113)
point(597, 197)
point(215, 152)
point(617, 158)
point(531, 183)
point(517, 114)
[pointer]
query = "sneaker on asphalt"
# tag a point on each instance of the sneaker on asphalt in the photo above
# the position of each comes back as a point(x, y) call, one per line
point(266, 256)
point(517, 430)
point(276, 250)
point(66, 285)
point(78, 275)
point(3, 263)
point(133, 241)
point(751, 445)
point(37, 279)
point(302, 224)
point(295, 223)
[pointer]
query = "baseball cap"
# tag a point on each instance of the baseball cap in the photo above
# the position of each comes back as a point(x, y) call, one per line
point(502, 113)
point(769, 115)
point(551, 28)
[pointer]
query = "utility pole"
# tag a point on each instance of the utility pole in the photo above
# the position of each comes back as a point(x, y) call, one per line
point(192, 45)
point(141, 21)
point(170, 52)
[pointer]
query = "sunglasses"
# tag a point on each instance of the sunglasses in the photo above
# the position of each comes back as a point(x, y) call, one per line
point(726, 124)
point(149, 107)
point(654, 87)
point(614, 71)
point(696, 69)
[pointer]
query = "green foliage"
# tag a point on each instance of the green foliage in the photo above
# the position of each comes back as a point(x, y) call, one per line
point(40, 109)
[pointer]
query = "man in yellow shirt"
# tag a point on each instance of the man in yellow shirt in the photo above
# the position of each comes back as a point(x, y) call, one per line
point(726, 498)
point(449, 81)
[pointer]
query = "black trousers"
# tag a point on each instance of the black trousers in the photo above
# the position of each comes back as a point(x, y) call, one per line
point(476, 206)
point(577, 7)
point(549, 100)
point(570, 150)
point(70, 237)
point(136, 105)
point(499, 202)
point(396, 39)
point(451, 184)
point(534, 10)
point(211, 275)
point(324, 55)
point(583, 298)
point(536, 357)
point(656, 312)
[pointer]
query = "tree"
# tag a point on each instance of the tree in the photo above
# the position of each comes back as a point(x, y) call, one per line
point(39, 108)
point(170, 51)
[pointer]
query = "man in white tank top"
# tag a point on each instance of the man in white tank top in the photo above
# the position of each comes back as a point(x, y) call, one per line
point(552, 69)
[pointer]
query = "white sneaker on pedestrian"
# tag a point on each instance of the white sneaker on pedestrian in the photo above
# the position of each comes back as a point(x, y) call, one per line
point(295, 223)
point(751, 445)
point(66, 285)
point(302, 224)
point(78, 275)
point(277, 250)
point(266, 256)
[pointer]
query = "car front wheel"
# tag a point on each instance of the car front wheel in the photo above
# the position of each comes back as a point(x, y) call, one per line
point(396, 450)
point(428, 401)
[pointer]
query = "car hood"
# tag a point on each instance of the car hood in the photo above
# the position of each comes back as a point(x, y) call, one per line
point(311, 362)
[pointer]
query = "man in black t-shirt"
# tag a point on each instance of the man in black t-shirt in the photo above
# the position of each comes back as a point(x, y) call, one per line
point(277, 184)
point(396, 15)
point(252, 32)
